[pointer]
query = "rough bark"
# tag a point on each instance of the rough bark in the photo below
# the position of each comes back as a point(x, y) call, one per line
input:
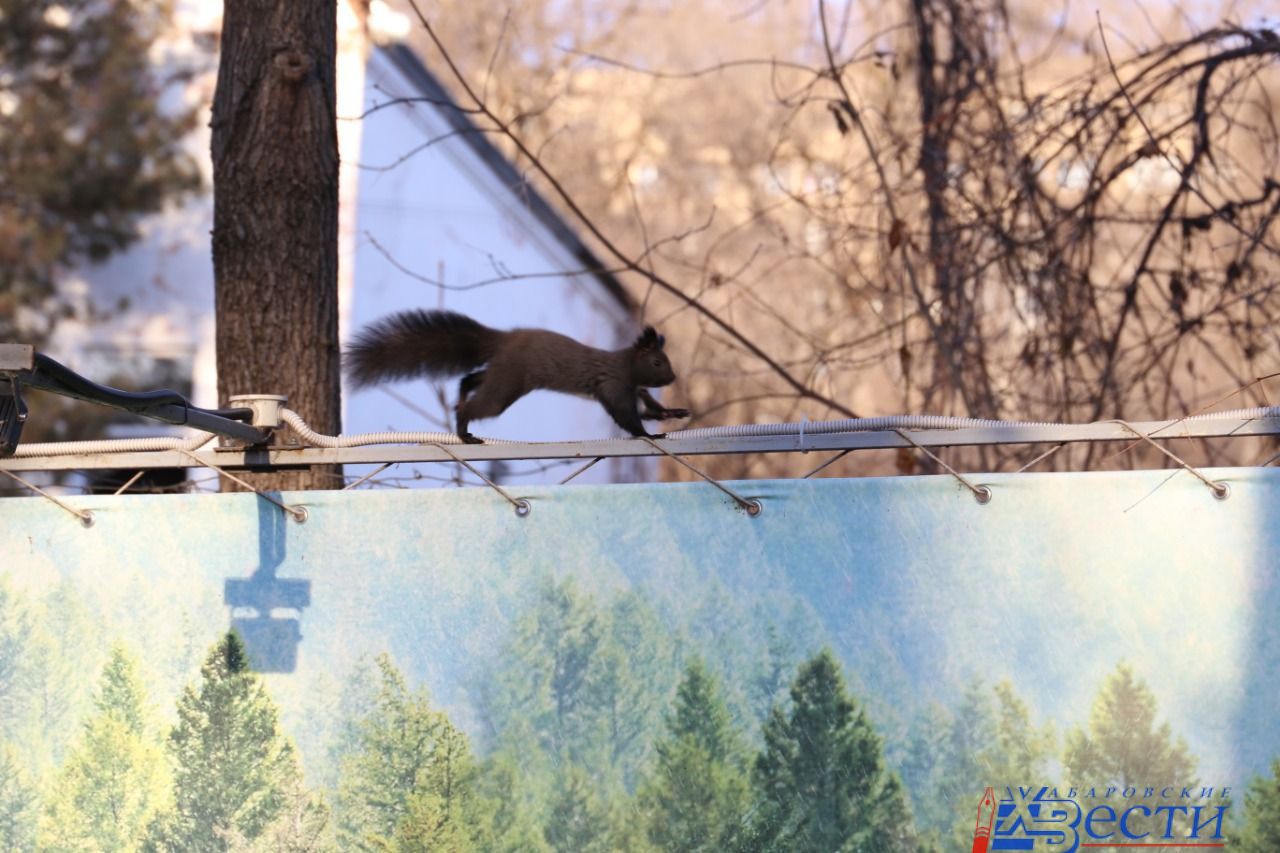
point(275, 225)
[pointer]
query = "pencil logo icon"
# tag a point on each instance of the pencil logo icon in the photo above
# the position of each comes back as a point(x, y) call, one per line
point(982, 826)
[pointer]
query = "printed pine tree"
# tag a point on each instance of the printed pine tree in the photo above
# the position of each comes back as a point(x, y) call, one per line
point(18, 685)
point(303, 826)
point(232, 767)
point(120, 692)
point(579, 694)
point(950, 757)
point(768, 687)
point(17, 804)
point(1020, 751)
point(583, 681)
point(544, 685)
point(1124, 744)
point(63, 653)
point(15, 669)
point(629, 682)
point(410, 781)
point(115, 779)
point(578, 821)
point(1260, 832)
point(926, 763)
point(698, 794)
point(821, 783)
point(508, 808)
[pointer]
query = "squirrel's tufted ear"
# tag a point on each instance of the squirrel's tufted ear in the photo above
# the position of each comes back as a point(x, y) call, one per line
point(649, 339)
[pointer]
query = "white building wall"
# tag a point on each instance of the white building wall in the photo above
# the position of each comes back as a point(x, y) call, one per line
point(440, 212)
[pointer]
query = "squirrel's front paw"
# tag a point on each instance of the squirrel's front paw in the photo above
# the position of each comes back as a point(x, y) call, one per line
point(673, 414)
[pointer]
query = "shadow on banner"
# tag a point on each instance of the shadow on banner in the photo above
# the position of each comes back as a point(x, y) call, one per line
point(271, 640)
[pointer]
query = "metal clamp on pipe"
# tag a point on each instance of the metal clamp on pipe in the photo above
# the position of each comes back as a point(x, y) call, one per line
point(21, 365)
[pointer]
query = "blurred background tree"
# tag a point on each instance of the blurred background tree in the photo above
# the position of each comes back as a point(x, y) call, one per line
point(931, 206)
point(89, 144)
point(92, 141)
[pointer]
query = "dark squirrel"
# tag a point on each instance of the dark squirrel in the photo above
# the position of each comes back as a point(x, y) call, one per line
point(498, 367)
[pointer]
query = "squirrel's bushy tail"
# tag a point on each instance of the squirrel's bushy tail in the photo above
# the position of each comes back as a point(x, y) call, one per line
point(419, 343)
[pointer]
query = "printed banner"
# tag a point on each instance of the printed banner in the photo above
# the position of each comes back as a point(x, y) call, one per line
point(875, 664)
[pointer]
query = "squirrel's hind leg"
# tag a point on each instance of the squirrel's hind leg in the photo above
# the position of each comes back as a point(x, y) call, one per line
point(468, 384)
point(490, 400)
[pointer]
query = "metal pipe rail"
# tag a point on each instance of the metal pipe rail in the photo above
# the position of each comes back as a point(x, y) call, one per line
point(277, 458)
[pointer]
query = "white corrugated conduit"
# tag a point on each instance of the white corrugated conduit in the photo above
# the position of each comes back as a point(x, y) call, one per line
point(307, 434)
point(891, 422)
point(363, 439)
point(113, 445)
point(921, 422)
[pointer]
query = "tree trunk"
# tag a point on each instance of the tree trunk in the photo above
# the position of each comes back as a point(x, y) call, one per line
point(275, 221)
